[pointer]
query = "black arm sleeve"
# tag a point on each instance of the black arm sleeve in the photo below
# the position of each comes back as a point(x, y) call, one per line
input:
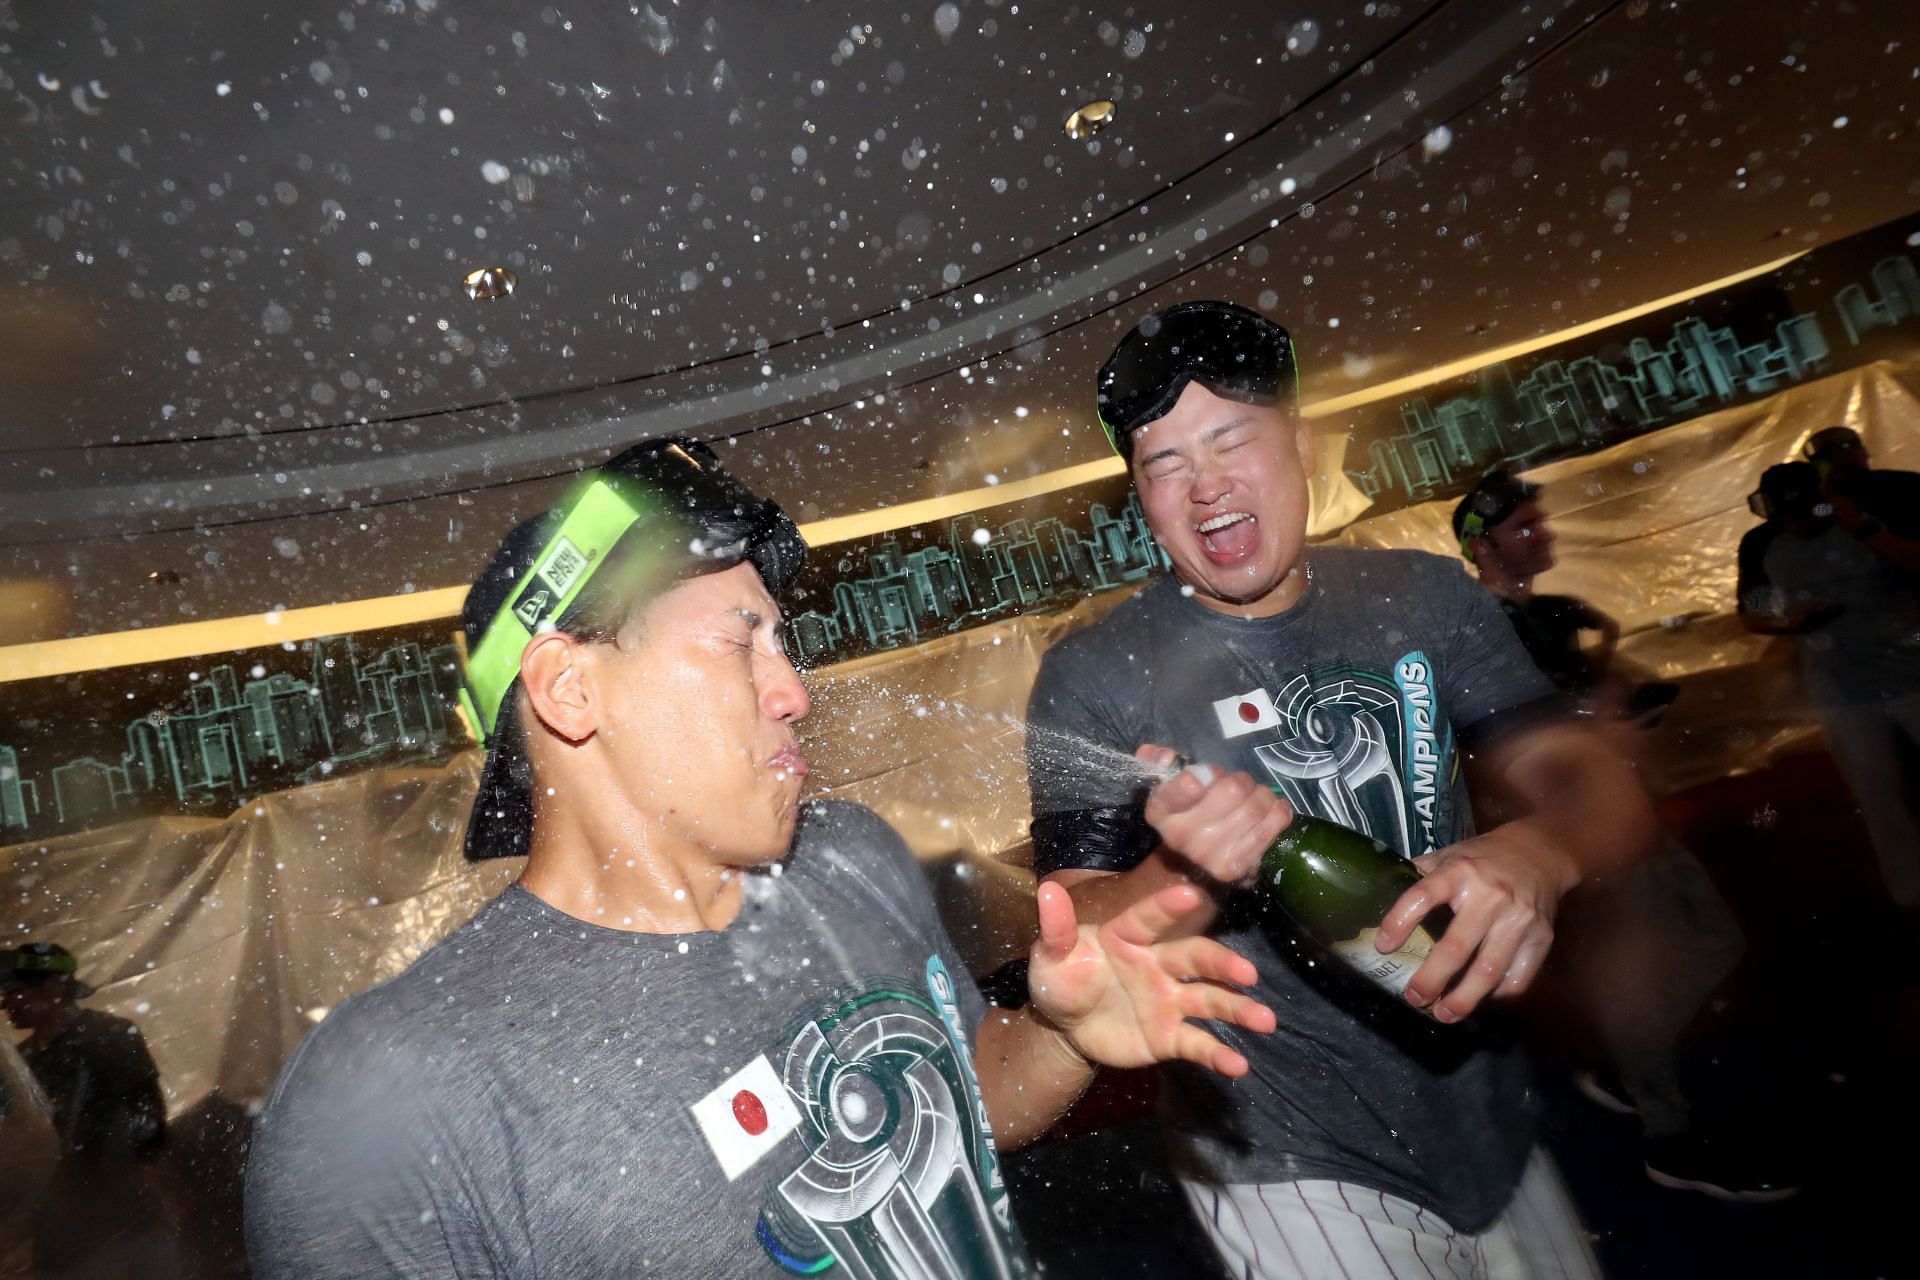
point(1082, 818)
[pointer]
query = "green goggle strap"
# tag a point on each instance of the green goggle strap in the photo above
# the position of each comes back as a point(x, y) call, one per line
point(596, 521)
point(1471, 528)
point(27, 962)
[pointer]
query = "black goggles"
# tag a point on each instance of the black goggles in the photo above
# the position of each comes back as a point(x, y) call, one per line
point(1235, 353)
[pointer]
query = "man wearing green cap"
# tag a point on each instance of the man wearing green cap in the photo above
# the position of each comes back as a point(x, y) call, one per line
point(98, 1074)
point(712, 1031)
point(1365, 1141)
point(100, 1213)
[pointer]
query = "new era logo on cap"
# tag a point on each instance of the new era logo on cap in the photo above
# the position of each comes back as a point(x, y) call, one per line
point(1246, 713)
point(746, 1117)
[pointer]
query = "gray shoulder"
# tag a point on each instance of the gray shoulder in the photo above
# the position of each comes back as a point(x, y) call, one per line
point(849, 844)
point(409, 1029)
point(1390, 571)
point(1383, 561)
point(1114, 636)
point(843, 828)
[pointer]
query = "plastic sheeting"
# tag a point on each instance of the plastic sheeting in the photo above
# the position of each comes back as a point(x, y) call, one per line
point(227, 940)
point(1647, 530)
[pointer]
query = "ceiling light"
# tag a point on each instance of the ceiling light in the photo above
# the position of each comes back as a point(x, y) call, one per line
point(486, 284)
point(1089, 120)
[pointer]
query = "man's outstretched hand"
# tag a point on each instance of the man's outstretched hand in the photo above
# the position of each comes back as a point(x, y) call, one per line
point(1123, 992)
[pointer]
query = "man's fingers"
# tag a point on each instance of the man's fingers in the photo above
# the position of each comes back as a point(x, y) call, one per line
point(1220, 1004)
point(1528, 960)
point(1177, 795)
point(1148, 920)
point(1408, 910)
point(1205, 960)
point(1451, 954)
point(1487, 971)
point(1059, 927)
point(1193, 1044)
point(1154, 754)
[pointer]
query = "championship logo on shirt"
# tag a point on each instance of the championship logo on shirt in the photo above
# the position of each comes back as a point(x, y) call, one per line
point(1246, 713)
point(1367, 750)
point(899, 1178)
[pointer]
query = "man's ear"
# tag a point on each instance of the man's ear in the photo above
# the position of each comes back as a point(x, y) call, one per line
point(555, 675)
point(1303, 441)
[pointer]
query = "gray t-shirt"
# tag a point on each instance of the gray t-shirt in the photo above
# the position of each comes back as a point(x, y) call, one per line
point(1871, 650)
point(540, 1096)
point(1350, 705)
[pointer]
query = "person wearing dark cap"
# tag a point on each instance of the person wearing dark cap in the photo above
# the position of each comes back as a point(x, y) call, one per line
point(1648, 948)
point(100, 1214)
point(1843, 585)
point(1366, 1141)
point(1503, 534)
point(711, 1031)
point(99, 1077)
point(1860, 491)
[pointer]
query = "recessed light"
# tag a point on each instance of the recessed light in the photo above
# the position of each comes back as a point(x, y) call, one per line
point(486, 284)
point(1089, 120)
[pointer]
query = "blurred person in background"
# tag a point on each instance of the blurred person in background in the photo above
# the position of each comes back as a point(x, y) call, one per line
point(710, 1031)
point(28, 1151)
point(1847, 475)
point(1647, 947)
point(1366, 1141)
point(1841, 581)
point(101, 1214)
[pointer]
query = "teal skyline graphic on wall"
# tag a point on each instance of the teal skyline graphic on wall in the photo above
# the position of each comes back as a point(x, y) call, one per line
point(228, 740)
point(976, 574)
point(1558, 406)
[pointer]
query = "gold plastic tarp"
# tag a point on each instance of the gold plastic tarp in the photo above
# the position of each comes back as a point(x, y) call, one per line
point(227, 940)
point(1648, 531)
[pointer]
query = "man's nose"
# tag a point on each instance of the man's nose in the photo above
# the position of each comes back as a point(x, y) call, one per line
point(784, 697)
point(1208, 485)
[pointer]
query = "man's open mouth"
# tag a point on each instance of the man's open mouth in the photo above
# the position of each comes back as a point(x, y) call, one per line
point(1229, 537)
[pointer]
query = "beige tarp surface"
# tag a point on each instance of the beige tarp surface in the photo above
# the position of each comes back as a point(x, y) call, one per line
point(226, 940)
point(1647, 530)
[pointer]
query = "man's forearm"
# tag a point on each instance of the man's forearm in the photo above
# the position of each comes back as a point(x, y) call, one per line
point(1584, 798)
point(1030, 1074)
point(1099, 896)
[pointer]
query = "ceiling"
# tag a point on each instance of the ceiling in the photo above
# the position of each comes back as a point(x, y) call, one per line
point(235, 348)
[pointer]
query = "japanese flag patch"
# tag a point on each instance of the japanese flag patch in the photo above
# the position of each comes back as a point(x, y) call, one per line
point(1246, 713)
point(746, 1117)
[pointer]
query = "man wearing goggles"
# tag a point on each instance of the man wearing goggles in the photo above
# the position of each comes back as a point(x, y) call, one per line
point(1861, 492)
point(1842, 583)
point(1363, 1142)
point(711, 1031)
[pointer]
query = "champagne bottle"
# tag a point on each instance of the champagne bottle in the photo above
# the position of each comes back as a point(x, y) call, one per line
point(1337, 884)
